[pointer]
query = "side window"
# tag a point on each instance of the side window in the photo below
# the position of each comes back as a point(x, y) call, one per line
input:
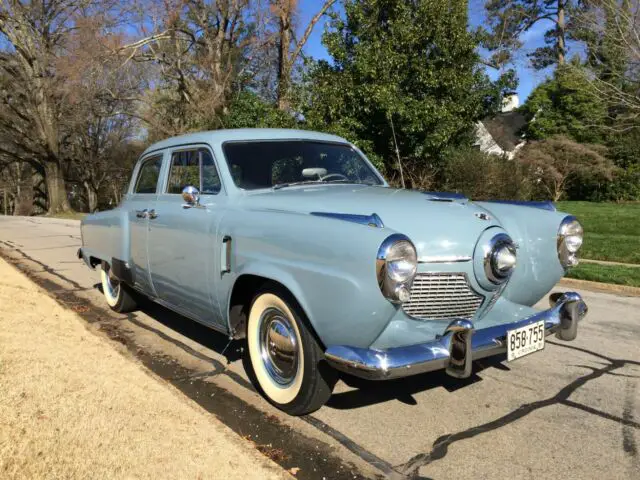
point(185, 170)
point(148, 175)
point(196, 168)
point(210, 178)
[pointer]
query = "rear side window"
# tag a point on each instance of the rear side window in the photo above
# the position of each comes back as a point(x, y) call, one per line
point(148, 175)
point(195, 168)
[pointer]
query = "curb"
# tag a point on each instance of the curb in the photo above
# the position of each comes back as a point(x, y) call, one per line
point(601, 287)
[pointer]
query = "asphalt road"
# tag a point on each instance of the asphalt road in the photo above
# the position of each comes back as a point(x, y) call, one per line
point(567, 412)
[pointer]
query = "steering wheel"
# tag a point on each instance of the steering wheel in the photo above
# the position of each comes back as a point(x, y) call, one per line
point(339, 176)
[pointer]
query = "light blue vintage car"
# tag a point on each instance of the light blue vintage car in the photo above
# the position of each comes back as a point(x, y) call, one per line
point(294, 241)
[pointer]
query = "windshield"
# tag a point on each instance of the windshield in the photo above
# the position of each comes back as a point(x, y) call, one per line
point(284, 163)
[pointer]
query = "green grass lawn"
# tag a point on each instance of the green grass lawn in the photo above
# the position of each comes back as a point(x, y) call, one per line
point(607, 274)
point(612, 230)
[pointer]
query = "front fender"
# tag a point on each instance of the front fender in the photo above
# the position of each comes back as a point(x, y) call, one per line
point(535, 231)
point(327, 264)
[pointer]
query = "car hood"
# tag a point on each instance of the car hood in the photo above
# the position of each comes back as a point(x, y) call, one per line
point(439, 227)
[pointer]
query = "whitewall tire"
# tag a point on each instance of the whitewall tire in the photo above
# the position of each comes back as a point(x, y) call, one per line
point(118, 295)
point(286, 361)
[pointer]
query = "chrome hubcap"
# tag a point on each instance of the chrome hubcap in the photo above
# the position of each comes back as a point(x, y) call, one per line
point(113, 285)
point(278, 346)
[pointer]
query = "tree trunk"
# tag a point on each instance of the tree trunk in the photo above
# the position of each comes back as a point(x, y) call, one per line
point(116, 193)
point(56, 191)
point(561, 29)
point(284, 60)
point(92, 197)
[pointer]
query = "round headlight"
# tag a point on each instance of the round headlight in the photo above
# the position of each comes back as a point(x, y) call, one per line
point(570, 236)
point(500, 258)
point(396, 265)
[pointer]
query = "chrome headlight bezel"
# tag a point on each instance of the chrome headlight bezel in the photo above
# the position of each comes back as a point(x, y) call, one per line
point(500, 243)
point(570, 238)
point(396, 267)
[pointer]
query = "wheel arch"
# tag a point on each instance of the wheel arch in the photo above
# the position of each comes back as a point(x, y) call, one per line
point(243, 292)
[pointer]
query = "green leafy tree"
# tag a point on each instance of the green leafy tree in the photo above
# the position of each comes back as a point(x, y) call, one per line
point(508, 20)
point(610, 30)
point(404, 82)
point(248, 110)
point(564, 105)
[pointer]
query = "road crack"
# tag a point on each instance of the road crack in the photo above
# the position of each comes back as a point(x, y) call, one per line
point(440, 447)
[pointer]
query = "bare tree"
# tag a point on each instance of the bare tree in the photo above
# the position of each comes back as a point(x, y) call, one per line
point(289, 50)
point(31, 95)
point(100, 93)
point(557, 161)
point(197, 50)
point(611, 29)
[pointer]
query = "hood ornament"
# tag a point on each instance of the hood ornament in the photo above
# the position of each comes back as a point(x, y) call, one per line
point(483, 216)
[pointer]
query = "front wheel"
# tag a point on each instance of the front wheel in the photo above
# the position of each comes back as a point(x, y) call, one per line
point(118, 296)
point(286, 360)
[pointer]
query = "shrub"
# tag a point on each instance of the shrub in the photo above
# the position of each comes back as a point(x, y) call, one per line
point(624, 187)
point(483, 177)
point(560, 166)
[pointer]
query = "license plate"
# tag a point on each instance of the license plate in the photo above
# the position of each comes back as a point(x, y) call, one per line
point(525, 340)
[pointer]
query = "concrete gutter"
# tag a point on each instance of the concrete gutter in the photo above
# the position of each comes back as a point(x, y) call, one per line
point(601, 287)
point(611, 264)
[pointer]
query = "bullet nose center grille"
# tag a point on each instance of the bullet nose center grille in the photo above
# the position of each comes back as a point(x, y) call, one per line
point(442, 296)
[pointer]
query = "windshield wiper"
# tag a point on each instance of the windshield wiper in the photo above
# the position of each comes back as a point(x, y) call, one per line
point(278, 186)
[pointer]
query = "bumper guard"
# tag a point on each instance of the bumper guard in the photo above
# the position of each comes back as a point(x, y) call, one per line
point(457, 347)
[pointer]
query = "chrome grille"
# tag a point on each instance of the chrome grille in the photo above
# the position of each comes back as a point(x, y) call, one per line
point(442, 295)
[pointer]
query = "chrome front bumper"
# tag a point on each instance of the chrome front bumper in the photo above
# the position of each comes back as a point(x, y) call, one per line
point(457, 347)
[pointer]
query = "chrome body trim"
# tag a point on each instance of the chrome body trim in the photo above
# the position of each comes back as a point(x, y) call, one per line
point(226, 254)
point(372, 220)
point(444, 259)
point(459, 345)
point(445, 196)
point(548, 205)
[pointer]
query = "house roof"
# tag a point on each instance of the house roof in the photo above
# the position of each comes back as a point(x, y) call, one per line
point(505, 128)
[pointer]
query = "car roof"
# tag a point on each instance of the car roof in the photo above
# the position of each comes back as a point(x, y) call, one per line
point(240, 134)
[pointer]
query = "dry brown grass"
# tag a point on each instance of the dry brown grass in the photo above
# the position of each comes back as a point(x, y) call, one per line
point(73, 406)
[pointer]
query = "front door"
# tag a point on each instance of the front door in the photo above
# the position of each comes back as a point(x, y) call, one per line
point(184, 249)
point(140, 201)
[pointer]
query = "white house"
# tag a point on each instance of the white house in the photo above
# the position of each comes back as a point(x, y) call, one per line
point(501, 134)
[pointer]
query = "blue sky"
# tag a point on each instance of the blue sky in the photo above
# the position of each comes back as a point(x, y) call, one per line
point(532, 39)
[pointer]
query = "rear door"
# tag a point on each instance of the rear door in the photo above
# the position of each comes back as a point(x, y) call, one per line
point(141, 199)
point(184, 248)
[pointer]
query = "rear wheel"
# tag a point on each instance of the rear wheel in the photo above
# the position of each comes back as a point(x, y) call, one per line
point(286, 360)
point(119, 296)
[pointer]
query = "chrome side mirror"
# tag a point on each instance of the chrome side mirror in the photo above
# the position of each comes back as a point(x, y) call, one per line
point(191, 196)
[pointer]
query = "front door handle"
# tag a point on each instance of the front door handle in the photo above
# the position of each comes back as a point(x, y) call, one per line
point(152, 214)
point(141, 213)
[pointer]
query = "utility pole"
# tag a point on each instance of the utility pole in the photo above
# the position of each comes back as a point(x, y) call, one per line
point(4, 202)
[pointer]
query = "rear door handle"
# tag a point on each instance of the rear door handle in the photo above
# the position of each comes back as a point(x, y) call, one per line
point(152, 214)
point(141, 213)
